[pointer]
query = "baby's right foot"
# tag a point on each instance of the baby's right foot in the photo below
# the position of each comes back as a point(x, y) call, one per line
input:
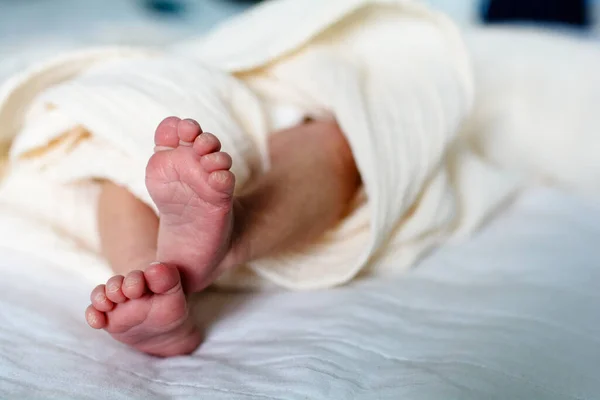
point(189, 180)
point(147, 311)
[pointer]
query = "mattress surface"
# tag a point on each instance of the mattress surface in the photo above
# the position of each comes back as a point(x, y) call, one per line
point(512, 313)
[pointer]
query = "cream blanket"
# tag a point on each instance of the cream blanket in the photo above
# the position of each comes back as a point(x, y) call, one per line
point(397, 77)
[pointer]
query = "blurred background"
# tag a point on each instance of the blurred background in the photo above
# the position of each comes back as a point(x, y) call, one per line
point(134, 20)
point(31, 29)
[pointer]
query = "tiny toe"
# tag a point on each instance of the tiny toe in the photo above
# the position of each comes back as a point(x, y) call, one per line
point(188, 130)
point(162, 279)
point(216, 161)
point(166, 133)
point(96, 319)
point(206, 143)
point(134, 285)
point(113, 289)
point(222, 181)
point(99, 299)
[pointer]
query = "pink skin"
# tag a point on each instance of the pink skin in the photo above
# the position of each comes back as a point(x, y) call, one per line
point(146, 310)
point(189, 180)
point(192, 187)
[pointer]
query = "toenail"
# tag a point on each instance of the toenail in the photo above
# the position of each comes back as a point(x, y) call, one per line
point(194, 122)
point(100, 298)
point(113, 287)
point(132, 282)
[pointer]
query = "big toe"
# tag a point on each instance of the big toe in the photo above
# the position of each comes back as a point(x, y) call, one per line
point(163, 279)
point(166, 135)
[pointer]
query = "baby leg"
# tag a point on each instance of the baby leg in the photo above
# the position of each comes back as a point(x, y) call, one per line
point(204, 229)
point(128, 229)
point(143, 306)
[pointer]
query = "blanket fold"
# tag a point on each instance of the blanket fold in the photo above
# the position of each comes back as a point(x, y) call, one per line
point(396, 76)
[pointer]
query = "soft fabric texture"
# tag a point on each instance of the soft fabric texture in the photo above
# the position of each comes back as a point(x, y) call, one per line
point(396, 76)
point(511, 314)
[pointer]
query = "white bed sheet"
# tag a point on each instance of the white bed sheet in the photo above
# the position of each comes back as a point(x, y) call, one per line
point(513, 313)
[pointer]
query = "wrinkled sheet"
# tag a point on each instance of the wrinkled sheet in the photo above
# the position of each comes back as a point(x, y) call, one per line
point(444, 133)
point(510, 314)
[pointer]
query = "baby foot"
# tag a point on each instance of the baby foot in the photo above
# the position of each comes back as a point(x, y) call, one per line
point(189, 180)
point(146, 310)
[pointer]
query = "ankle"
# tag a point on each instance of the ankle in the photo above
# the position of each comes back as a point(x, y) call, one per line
point(239, 249)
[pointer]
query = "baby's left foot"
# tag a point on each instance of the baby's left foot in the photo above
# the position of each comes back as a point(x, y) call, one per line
point(191, 184)
point(146, 310)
